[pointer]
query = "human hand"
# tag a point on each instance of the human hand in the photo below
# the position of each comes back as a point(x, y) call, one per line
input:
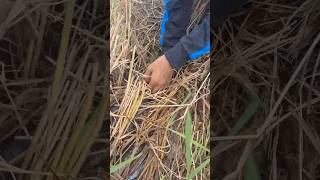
point(158, 74)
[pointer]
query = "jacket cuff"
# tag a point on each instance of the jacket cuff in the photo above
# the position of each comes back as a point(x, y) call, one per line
point(177, 56)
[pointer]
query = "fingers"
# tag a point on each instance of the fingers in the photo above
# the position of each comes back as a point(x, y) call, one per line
point(153, 84)
point(147, 75)
point(156, 89)
point(156, 86)
point(151, 80)
point(157, 76)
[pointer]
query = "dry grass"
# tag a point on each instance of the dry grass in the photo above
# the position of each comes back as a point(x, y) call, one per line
point(152, 126)
point(272, 51)
point(52, 89)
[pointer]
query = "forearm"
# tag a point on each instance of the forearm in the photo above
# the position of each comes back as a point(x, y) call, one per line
point(191, 46)
point(176, 18)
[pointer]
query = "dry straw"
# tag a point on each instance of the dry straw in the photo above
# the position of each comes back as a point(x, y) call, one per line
point(154, 136)
point(52, 88)
point(267, 96)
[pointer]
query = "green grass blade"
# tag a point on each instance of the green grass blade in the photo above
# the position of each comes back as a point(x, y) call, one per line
point(123, 164)
point(188, 141)
point(196, 143)
point(28, 61)
point(199, 168)
point(64, 43)
point(251, 172)
point(251, 169)
point(247, 115)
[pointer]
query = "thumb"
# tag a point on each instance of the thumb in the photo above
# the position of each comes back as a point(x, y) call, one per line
point(147, 75)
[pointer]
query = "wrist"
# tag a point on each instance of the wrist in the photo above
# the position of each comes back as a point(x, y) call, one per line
point(167, 61)
point(176, 56)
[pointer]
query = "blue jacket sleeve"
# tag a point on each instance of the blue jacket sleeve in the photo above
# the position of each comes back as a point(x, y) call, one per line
point(178, 46)
point(175, 20)
point(190, 46)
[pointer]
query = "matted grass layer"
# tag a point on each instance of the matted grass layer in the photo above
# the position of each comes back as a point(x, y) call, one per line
point(154, 136)
point(52, 89)
point(267, 92)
